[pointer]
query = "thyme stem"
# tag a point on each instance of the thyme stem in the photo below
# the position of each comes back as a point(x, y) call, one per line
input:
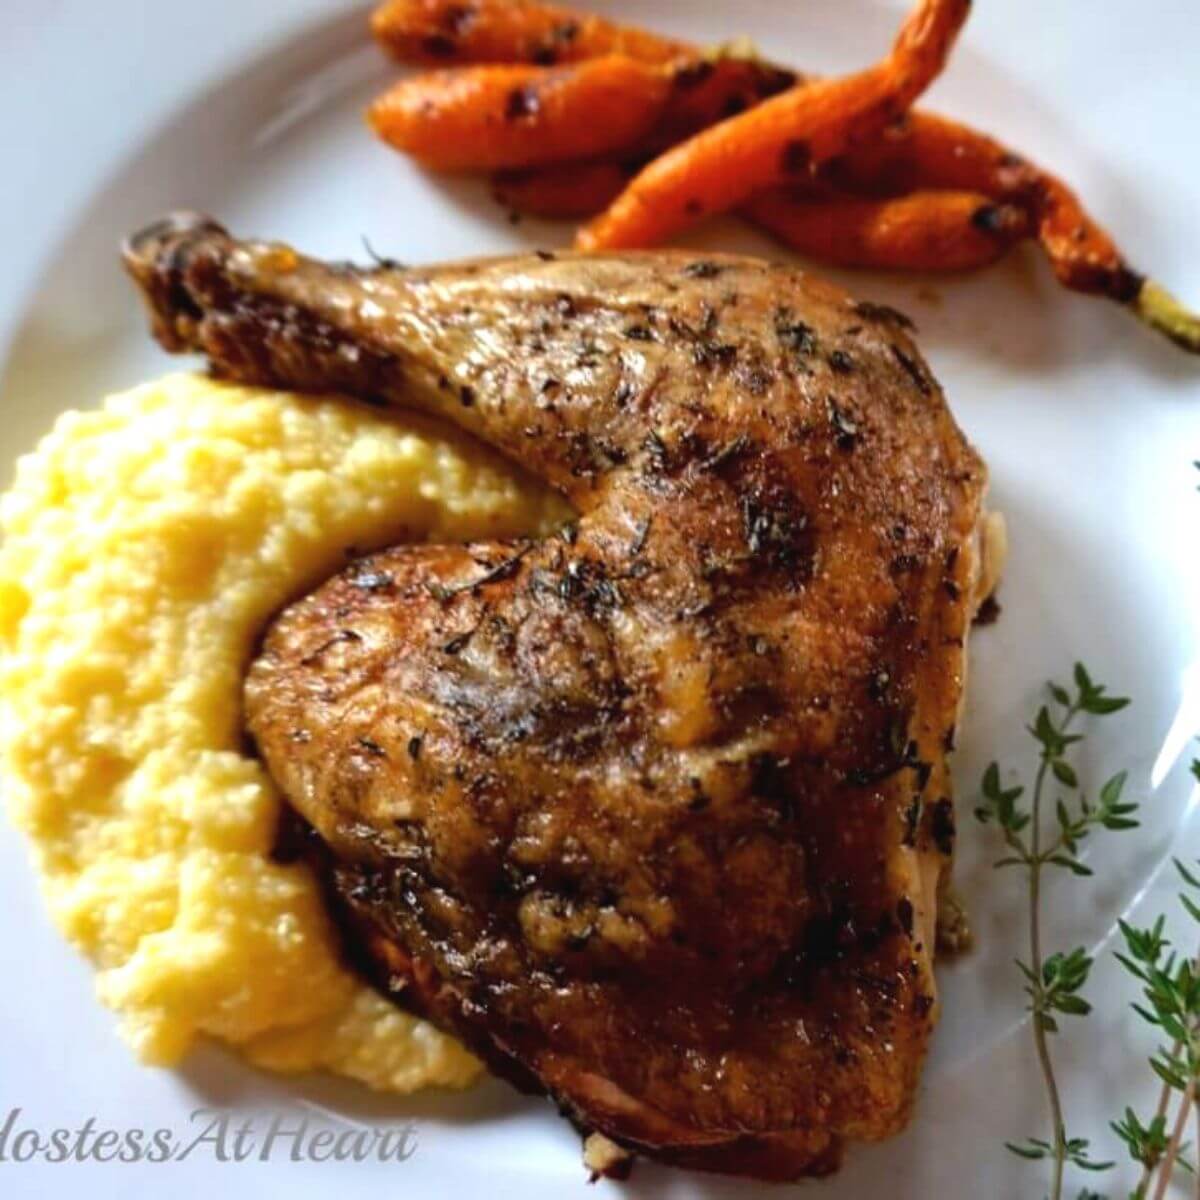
point(1037, 966)
point(1191, 1100)
point(1197, 1108)
point(1164, 1100)
point(1169, 1159)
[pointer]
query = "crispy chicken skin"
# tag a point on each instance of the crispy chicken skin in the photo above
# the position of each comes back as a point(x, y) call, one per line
point(652, 812)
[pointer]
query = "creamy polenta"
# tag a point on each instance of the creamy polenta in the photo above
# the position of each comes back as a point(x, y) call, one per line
point(145, 547)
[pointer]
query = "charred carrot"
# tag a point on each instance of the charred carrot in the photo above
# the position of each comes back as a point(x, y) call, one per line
point(708, 89)
point(487, 118)
point(786, 136)
point(441, 32)
point(929, 151)
point(569, 191)
point(573, 191)
point(923, 231)
point(483, 117)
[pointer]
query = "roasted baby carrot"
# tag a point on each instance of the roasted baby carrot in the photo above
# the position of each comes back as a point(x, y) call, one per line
point(923, 231)
point(708, 89)
point(477, 118)
point(569, 191)
point(786, 136)
point(928, 151)
point(440, 32)
point(488, 118)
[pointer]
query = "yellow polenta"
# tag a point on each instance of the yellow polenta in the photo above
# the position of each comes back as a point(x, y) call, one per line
point(145, 546)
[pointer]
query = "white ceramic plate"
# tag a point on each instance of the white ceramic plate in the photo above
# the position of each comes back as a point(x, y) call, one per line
point(115, 113)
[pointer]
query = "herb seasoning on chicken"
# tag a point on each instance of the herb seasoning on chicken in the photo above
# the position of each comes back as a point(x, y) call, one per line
point(652, 813)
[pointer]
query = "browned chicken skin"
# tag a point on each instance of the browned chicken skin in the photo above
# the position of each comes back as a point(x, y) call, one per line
point(652, 812)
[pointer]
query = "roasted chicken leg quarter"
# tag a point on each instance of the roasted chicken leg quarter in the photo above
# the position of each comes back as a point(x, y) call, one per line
point(652, 812)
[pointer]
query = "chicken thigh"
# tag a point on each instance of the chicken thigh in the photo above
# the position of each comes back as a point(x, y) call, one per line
point(652, 812)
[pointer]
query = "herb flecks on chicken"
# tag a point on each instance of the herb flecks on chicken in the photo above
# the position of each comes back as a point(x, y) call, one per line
point(653, 812)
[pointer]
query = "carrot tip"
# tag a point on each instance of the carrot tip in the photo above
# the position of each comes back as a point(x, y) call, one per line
point(1154, 305)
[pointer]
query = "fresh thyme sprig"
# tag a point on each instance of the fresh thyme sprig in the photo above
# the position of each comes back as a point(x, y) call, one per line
point(1170, 1002)
point(1054, 982)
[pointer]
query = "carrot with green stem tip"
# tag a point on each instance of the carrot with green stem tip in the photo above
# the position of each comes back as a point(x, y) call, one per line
point(788, 135)
point(926, 150)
